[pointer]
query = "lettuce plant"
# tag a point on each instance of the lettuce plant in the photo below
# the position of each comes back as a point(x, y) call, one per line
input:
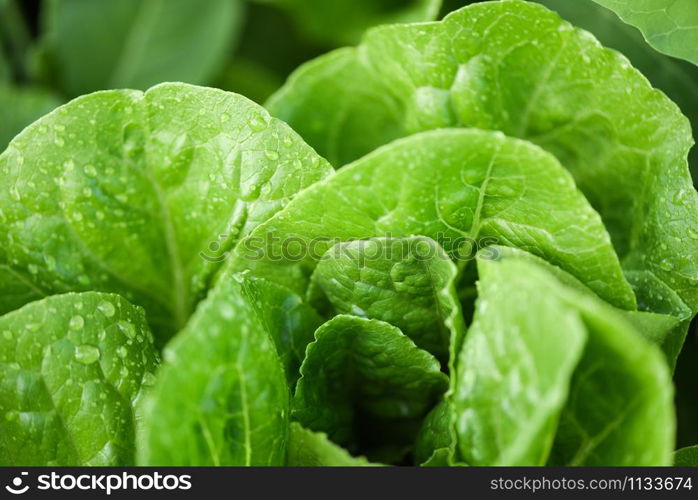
point(499, 270)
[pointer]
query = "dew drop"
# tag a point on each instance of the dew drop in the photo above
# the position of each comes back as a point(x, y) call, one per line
point(11, 416)
point(148, 379)
point(50, 262)
point(122, 352)
point(90, 171)
point(107, 308)
point(257, 123)
point(225, 117)
point(87, 354)
point(666, 264)
point(76, 322)
point(127, 329)
point(271, 155)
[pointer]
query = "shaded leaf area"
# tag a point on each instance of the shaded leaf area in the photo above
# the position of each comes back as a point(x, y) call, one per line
point(367, 386)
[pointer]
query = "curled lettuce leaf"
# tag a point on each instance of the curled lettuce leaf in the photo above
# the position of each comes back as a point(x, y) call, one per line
point(462, 188)
point(221, 396)
point(143, 194)
point(518, 68)
point(365, 384)
point(571, 381)
point(407, 282)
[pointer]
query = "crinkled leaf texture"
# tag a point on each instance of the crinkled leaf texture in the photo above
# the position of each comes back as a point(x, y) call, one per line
point(142, 194)
point(365, 384)
point(455, 186)
point(407, 282)
point(221, 396)
point(670, 26)
point(550, 376)
point(314, 449)
point(517, 67)
point(71, 369)
point(146, 42)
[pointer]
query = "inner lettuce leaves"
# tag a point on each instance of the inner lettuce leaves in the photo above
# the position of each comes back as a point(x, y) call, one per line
point(461, 188)
point(518, 68)
point(72, 367)
point(367, 386)
point(550, 376)
point(142, 194)
point(221, 397)
point(407, 282)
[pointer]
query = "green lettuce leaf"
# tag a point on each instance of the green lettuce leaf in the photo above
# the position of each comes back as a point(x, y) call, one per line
point(517, 67)
point(143, 194)
point(458, 187)
point(549, 376)
point(290, 322)
point(314, 449)
point(675, 77)
point(435, 444)
point(146, 42)
point(365, 384)
point(667, 332)
point(686, 457)
point(670, 26)
point(71, 370)
point(221, 396)
point(407, 282)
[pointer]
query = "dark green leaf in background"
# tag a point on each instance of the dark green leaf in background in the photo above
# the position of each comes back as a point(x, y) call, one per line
point(135, 43)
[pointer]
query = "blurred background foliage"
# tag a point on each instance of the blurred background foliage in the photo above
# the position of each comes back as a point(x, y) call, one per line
point(54, 50)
